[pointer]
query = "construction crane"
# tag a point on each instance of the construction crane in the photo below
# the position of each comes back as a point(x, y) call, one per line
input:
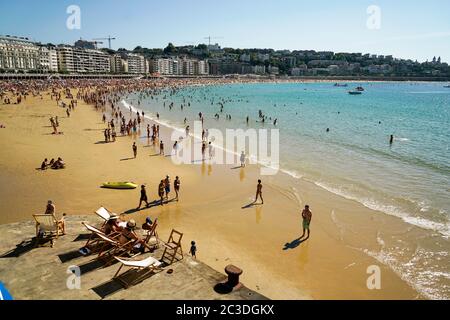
point(109, 40)
point(209, 39)
point(96, 43)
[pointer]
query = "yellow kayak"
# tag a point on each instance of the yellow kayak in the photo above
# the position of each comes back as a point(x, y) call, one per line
point(120, 185)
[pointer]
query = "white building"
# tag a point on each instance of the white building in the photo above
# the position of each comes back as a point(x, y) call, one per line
point(274, 70)
point(176, 66)
point(260, 69)
point(18, 54)
point(136, 63)
point(71, 59)
point(117, 64)
point(48, 59)
point(299, 71)
point(245, 58)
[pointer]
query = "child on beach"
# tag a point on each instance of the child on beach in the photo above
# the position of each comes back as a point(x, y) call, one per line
point(193, 250)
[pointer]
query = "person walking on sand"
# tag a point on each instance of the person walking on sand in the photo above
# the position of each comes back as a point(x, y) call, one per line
point(134, 150)
point(259, 192)
point(242, 159)
point(143, 198)
point(176, 186)
point(161, 192)
point(161, 148)
point(167, 187)
point(307, 216)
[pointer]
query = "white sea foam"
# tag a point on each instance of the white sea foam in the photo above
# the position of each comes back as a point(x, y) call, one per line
point(442, 228)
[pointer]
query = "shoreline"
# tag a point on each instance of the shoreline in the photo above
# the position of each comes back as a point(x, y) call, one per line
point(273, 221)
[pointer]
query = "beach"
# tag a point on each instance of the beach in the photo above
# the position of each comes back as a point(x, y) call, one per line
point(332, 264)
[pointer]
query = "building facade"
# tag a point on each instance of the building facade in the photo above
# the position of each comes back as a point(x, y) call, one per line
point(71, 59)
point(18, 54)
point(136, 64)
point(48, 59)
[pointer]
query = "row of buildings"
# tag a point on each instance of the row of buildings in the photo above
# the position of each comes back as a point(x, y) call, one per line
point(20, 54)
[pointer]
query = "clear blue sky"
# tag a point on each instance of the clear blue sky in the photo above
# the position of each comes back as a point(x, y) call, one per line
point(413, 29)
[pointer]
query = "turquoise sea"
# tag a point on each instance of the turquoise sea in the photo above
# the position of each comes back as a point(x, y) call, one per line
point(409, 179)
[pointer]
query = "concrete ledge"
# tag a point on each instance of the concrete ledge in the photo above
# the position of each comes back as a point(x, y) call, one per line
point(43, 273)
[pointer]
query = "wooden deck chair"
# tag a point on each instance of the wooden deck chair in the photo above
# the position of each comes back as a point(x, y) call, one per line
point(152, 239)
point(172, 248)
point(47, 224)
point(112, 247)
point(104, 213)
point(94, 239)
point(149, 264)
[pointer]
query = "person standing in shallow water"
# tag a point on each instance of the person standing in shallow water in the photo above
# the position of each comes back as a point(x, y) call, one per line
point(135, 150)
point(161, 192)
point(307, 216)
point(176, 186)
point(259, 192)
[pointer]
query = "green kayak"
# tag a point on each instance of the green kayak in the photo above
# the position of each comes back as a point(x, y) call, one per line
point(119, 185)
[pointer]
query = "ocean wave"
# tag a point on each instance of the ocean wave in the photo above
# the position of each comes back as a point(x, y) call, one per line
point(373, 204)
point(442, 228)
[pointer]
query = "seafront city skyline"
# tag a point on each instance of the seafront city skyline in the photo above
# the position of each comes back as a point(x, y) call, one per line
point(21, 55)
point(209, 158)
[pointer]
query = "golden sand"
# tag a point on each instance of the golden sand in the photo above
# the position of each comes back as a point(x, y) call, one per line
point(330, 265)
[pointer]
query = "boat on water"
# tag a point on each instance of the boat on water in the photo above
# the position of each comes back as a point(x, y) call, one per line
point(344, 85)
point(359, 89)
point(354, 92)
point(447, 86)
point(119, 185)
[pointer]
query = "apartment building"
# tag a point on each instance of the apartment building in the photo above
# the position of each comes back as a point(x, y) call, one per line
point(136, 63)
point(71, 59)
point(18, 54)
point(48, 59)
point(117, 64)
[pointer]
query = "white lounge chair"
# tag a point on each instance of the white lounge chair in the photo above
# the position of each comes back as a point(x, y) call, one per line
point(47, 224)
point(104, 213)
point(150, 264)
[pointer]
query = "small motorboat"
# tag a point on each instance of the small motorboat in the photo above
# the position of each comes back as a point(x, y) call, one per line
point(344, 85)
point(447, 86)
point(355, 92)
point(359, 89)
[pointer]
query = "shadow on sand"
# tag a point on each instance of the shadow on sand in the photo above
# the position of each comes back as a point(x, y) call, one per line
point(21, 248)
point(251, 205)
point(294, 244)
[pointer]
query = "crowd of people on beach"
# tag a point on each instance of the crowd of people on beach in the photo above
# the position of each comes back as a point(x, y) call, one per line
point(105, 96)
